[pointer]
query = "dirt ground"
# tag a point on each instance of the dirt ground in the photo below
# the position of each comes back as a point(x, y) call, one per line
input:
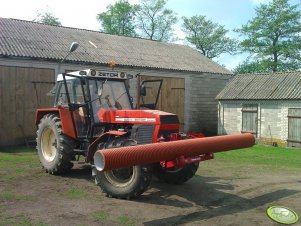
point(217, 195)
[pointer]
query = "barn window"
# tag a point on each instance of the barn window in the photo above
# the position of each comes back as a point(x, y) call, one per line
point(249, 118)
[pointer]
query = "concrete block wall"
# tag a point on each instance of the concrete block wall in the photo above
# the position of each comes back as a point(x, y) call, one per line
point(272, 119)
point(230, 121)
point(203, 106)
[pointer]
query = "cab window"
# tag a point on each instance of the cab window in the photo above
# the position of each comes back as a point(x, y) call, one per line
point(115, 96)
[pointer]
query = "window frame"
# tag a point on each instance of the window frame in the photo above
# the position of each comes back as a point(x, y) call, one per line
point(248, 110)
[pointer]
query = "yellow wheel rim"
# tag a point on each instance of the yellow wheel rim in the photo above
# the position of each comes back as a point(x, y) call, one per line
point(48, 144)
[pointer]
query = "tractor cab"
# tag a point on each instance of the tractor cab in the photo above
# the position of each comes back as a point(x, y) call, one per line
point(85, 92)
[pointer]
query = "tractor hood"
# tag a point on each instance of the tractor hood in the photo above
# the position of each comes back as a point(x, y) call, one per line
point(154, 117)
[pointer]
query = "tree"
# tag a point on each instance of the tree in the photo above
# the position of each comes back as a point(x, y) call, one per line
point(155, 22)
point(46, 17)
point(273, 36)
point(264, 66)
point(248, 67)
point(119, 19)
point(208, 37)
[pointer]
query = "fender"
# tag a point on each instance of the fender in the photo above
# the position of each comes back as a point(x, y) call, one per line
point(65, 116)
point(104, 137)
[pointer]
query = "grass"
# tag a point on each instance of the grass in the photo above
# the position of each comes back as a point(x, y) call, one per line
point(100, 216)
point(10, 196)
point(75, 193)
point(245, 163)
point(16, 162)
point(259, 155)
point(124, 220)
point(19, 220)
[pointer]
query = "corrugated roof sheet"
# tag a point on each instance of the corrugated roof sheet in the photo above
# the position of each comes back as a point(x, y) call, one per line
point(273, 86)
point(20, 38)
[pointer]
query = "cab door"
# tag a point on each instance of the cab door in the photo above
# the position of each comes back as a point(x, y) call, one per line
point(149, 93)
point(73, 98)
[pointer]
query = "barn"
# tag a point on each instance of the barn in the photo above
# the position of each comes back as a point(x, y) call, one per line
point(267, 105)
point(31, 55)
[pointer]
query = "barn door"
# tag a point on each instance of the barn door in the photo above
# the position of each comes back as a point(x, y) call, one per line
point(172, 95)
point(294, 127)
point(22, 91)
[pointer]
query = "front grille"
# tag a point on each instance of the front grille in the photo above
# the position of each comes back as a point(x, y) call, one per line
point(143, 134)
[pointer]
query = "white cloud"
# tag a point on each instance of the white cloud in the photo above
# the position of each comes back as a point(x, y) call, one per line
point(79, 14)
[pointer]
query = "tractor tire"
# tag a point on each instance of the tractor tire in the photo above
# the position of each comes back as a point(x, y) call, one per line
point(175, 175)
point(54, 148)
point(124, 183)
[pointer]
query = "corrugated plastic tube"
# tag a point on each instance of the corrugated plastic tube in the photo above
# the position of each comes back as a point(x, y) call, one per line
point(115, 158)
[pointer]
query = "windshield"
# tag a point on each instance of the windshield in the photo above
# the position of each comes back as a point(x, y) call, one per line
point(113, 96)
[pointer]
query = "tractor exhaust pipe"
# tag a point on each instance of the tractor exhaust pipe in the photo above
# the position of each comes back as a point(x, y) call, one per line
point(115, 158)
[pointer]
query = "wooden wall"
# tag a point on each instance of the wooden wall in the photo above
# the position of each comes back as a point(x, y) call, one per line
point(22, 91)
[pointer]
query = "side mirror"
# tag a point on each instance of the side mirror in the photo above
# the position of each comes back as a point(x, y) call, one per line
point(142, 90)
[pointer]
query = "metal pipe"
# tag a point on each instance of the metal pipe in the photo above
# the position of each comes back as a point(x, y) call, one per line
point(115, 158)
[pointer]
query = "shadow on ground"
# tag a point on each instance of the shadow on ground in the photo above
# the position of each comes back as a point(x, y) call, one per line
point(209, 194)
point(212, 197)
point(80, 171)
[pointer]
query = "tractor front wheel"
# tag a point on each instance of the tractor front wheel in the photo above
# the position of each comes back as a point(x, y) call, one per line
point(54, 148)
point(175, 175)
point(124, 183)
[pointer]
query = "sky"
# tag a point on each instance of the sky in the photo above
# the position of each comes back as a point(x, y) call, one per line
point(82, 14)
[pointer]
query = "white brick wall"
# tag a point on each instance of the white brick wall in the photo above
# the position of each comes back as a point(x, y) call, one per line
point(272, 117)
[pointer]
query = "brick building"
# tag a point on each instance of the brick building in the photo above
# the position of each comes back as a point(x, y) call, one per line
point(267, 105)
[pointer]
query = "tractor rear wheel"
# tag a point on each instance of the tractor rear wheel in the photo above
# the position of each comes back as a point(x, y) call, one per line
point(54, 148)
point(124, 183)
point(175, 175)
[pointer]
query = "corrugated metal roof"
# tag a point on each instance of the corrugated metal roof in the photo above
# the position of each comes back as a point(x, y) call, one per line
point(20, 38)
point(273, 86)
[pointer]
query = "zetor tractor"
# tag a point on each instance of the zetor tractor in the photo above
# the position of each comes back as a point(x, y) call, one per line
point(94, 112)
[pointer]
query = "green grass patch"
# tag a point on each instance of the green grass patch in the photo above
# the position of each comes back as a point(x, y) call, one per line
point(259, 155)
point(16, 162)
point(100, 216)
point(10, 196)
point(246, 163)
point(19, 220)
point(75, 193)
point(124, 220)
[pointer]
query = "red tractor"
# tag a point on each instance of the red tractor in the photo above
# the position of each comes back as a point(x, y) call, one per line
point(93, 111)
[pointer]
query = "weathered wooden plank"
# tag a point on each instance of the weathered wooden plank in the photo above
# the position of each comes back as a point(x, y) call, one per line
point(6, 121)
point(1, 103)
point(18, 101)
